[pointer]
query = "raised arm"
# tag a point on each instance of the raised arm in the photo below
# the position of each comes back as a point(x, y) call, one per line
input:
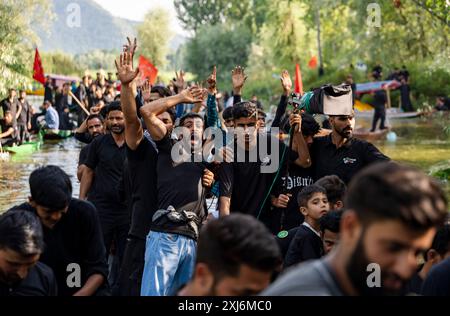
point(150, 111)
point(126, 73)
point(286, 83)
point(211, 103)
point(238, 79)
point(304, 159)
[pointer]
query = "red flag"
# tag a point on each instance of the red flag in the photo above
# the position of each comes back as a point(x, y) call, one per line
point(312, 62)
point(298, 88)
point(38, 71)
point(148, 70)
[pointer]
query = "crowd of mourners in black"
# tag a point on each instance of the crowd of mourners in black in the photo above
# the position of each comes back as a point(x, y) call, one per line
point(145, 223)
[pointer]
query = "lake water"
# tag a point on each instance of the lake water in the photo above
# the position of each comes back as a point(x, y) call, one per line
point(419, 142)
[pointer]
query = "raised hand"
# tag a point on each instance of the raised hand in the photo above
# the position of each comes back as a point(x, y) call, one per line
point(296, 120)
point(286, 82)
point(130, 47)
point(212, 82)
point(192, 95)
point(125, 71)
point(146, 90)
point(208, 178)
point(238, 78)
point(179, 81)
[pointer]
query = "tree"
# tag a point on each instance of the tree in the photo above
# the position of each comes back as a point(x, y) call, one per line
point(17, 39)
point(60, 63)
point(195, 13)
point(221, 45)
point(154, 35)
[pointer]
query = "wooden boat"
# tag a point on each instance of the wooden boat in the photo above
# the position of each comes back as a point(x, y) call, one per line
point(55, 134)
point(392, 113)
point(365, 134)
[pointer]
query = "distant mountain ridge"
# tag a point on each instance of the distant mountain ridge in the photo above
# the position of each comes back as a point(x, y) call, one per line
point(90, 34)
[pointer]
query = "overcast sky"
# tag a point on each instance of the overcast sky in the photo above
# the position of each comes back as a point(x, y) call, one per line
point(136, 9)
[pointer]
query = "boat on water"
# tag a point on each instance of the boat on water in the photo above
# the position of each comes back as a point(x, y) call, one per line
point(367, 135)
point(25, 148)
point(392, 113)
point(55, 134)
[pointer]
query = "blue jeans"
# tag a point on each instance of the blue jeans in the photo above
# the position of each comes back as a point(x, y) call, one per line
point(169, 263)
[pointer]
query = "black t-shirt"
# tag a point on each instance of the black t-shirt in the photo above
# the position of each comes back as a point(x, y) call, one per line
point(437, 282)
point(83, 155)
point(178, 185)
point(379, 99)
point(142, 172)
point(76, 238)
point(106, 159)
point(293, 183)
point(345, 161)
point(306, 245)
point(247, 186)
point(40, 281)
point(83, 137)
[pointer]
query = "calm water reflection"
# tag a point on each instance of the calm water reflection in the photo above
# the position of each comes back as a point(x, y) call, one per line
point(419, 142)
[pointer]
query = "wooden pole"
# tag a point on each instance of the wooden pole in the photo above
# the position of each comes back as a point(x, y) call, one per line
point(79, 103)
point(388, 92)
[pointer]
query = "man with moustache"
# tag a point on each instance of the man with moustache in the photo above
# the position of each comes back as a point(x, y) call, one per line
point(94, 125)
point(393, 212)
point(101, 178)
point(339, 153)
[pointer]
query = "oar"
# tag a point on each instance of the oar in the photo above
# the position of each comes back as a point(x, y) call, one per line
point(79, 103)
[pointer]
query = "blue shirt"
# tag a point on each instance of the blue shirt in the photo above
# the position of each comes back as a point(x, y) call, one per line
point(51, 118)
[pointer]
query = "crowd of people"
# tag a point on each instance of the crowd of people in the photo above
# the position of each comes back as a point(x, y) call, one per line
point(301, 210)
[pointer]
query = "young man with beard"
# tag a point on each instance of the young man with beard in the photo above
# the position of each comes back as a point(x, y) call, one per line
point(341, 154)
point(94, 125)
point(171, 244)
point(142, 157)
point(72, 234)
point(236, 256)
point(101, 179)
point(257, 163)
point(392, 214)
point(21, 245)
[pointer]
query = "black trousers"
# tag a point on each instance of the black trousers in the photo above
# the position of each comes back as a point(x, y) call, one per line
point(380, 114)
point(130, 276)
point(114, 229)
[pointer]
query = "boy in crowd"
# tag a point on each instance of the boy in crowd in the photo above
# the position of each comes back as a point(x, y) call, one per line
point(72, 233)
point(307, 242)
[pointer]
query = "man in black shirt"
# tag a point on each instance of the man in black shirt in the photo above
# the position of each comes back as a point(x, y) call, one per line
point(7, 130)
point(72, 235)
point(11, 104)
point(94, 126)
point(24, 118)
point(101, 178)
point(141, 156)
point(48, 90)
point(297, 177)
point(171, 243)
point(379, 105)
point(247, 183)
point(341, 154)
point(21, 245)
point(392, 214)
